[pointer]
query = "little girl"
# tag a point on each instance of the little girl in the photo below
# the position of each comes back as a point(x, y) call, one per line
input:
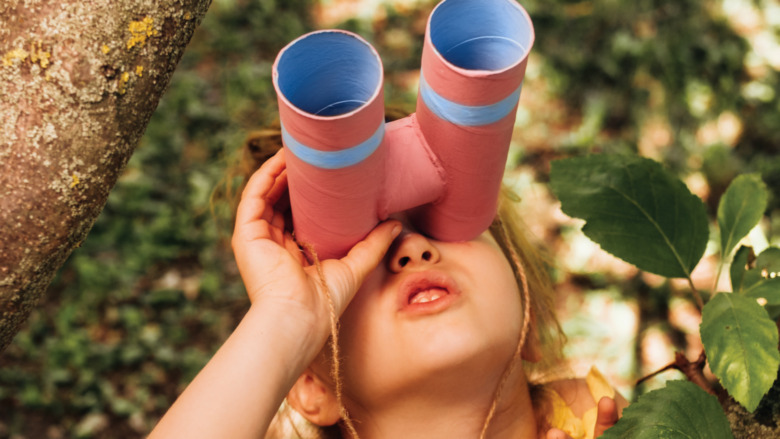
point(429, 341)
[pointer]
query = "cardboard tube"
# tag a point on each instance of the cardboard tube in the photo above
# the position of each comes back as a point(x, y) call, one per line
point(473, 65)
point(348, 171)
point(331, 106)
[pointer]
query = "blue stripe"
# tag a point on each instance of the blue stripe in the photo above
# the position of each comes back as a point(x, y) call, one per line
point(334, 159)
point(467, 115)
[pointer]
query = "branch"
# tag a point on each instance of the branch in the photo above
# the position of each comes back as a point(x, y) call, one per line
point(693, 371)
point(79, 82)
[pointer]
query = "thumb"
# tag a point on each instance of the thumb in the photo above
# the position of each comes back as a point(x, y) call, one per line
point(607, 415)
point(365, 256)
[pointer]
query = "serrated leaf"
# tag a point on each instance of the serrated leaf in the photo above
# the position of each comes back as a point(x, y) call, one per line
point(741, 345)
point(681, 409)
point(738, 267)
point(634, 209)
point(740, 209)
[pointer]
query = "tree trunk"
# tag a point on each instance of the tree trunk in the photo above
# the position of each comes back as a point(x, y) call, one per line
point(79, 81)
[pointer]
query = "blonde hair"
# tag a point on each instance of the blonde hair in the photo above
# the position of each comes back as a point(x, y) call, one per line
point(530, 265)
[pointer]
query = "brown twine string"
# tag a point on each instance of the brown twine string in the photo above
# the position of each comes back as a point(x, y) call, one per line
point(334, 342)
point(518, 266)
point(294, 426)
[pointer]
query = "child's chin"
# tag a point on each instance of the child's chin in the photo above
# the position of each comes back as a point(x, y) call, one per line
point(456, 353)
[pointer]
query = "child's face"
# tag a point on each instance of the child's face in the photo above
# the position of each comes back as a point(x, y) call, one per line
point(431, 314)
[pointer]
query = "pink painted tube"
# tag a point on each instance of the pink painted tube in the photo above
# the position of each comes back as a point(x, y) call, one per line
point(348, 170)
point(329, 88)
point(473, 64)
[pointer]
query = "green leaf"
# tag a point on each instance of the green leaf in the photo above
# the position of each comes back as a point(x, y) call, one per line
point(681, 409)
point(761, 282)
point(767, 289)
point(738, 267)
point(774, 311)
point(741, 344)
point(634, 209)
point(740, 209)
point(769, 260)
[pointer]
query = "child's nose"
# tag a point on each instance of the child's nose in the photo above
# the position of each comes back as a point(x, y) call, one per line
point(413, 251)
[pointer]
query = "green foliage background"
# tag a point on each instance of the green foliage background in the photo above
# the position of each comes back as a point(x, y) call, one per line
point(138, 310)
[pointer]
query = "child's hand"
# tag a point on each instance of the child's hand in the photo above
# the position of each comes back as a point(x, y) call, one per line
point(607, 417)
point(275, 271)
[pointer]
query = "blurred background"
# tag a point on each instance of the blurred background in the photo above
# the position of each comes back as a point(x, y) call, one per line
point(143, 304)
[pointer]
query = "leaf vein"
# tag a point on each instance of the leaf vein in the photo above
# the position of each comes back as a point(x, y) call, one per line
point(656, 225)
point(744, 352)
point(742, 207)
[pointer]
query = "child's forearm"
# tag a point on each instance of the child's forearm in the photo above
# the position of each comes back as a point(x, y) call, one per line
point(238, 392)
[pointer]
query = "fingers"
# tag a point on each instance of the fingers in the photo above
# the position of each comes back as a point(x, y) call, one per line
point(292, 247)
point(607, 415)
point(262, 182)
point(263, 189)
point(555, 433)
point(367, 254)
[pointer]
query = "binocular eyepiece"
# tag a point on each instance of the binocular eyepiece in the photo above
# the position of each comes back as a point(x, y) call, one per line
point(348, 169)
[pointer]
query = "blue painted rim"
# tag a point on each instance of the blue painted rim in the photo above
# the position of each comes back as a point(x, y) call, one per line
point(328, 73)
point(467, 115)
point(481, 34)
point(334, 159)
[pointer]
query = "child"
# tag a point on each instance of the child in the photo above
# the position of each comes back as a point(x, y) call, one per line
point(427, 345)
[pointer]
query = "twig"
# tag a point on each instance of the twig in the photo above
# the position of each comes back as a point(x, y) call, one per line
point(693, 371)
point(696, 295)
point(717, 278)
point(671, 365)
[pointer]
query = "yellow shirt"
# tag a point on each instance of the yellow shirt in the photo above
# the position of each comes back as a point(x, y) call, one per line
point(562, 417)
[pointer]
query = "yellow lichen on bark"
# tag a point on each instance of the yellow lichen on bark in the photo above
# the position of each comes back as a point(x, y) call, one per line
point(36, 54)
point(73, 107)
point(15, 55)
point(139, 31)
point(123, 80)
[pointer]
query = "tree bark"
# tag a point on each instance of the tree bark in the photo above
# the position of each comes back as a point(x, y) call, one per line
point(79, 81)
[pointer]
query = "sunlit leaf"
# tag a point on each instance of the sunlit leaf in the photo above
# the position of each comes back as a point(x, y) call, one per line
point(634, 209)
point(740, 209)
point(741, 344)
point(681, 409)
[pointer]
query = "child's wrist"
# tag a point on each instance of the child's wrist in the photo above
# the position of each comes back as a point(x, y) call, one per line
point(297, 332)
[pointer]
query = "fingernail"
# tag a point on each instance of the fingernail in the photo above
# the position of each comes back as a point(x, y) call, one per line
point(396, 230)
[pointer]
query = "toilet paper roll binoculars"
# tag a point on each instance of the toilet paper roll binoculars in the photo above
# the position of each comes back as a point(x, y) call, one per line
point(348, 169)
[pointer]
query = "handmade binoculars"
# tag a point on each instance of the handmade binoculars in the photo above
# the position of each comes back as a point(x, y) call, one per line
point(348, 169)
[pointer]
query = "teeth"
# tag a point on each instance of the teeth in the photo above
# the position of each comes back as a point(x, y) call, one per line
point(427, 296)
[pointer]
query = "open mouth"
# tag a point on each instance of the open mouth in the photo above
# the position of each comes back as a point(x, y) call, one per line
point(428, 295)
point(427, 292)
